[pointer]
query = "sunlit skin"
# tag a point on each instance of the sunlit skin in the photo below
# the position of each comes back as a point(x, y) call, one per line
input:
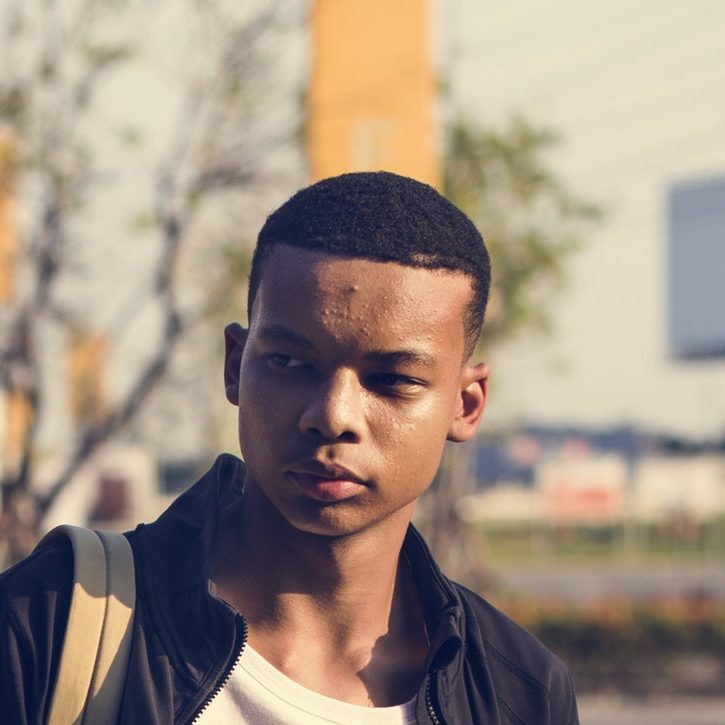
point(350, 379)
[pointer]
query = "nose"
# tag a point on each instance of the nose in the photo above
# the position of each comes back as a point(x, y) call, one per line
point(334, 413)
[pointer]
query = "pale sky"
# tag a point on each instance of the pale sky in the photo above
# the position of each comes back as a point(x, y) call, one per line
point(637, 92)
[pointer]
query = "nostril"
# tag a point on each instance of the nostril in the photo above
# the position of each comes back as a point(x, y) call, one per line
point(346, 436)
point(333, 412)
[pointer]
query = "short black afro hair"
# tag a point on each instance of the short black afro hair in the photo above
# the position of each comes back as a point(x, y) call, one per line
point(383, 217)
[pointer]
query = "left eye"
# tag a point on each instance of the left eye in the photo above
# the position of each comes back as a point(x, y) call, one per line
point(285, 361)
point(389, 380)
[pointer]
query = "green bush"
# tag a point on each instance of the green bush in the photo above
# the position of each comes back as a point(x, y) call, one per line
point(666, 647)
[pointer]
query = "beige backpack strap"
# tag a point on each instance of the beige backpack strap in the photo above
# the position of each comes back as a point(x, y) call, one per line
point(94, 660)
point(84, 627)
point(115, 646)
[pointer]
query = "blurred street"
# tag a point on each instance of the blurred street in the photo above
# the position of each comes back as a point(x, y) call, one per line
point(582, 583)
point(603, 710)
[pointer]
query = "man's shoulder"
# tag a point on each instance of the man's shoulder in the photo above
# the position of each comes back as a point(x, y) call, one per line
point(35, 598)
point(40, 583)
point(518, 661)
point(506, 640)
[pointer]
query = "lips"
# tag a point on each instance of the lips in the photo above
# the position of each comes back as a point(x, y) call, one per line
point(326, 483)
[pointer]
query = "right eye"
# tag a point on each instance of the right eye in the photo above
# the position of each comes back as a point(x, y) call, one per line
point(285, 361)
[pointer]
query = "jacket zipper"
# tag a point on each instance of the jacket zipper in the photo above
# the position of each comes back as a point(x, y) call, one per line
point(244, 629)
point(429, 703)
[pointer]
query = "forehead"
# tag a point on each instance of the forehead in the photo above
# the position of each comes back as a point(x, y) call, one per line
point(352, 296)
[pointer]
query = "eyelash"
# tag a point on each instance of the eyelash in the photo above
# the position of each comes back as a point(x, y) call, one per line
point(374, 380)
point(282, 361)
point(380, 379)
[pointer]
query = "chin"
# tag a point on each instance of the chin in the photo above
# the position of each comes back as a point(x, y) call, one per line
point(328, 526)
point(337, 521)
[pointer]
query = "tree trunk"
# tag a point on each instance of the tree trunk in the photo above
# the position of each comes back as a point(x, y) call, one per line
point(454, 541)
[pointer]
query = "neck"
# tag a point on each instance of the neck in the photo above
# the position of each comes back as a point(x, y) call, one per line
point(337, 614)
point(270, 566)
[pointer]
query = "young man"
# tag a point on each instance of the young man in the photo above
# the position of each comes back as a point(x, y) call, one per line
point(291, 588)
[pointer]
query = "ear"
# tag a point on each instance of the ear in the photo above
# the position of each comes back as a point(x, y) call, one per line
point(471, 404)
point(235, 338)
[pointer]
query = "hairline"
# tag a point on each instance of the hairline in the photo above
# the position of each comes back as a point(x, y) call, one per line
point(262, 253)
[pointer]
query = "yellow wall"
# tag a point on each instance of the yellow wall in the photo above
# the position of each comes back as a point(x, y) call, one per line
point(372, 99)
point(86, 368)
point(17, 412)
point(18, 416)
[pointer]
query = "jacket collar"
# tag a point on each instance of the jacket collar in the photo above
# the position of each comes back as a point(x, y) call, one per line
point(175, 554)
point(441, 605)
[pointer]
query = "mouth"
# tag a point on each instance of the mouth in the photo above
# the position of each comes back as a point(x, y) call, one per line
point(326, 483)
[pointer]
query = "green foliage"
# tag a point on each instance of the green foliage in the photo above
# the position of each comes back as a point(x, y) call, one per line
point(508, 543)
point(227, 302)
point(99, 56)
point(676, 646)
point(530, 221)
point(13, 103)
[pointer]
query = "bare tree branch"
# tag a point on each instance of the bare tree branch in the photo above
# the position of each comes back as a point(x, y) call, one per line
point(218, 145)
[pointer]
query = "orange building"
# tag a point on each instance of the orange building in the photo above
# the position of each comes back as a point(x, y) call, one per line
point(8, 238)
point(16, 408)
point(86, 366)
point(373, 92)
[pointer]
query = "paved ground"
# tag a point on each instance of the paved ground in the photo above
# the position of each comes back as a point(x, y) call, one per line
point(658, 711)
point(591, 582)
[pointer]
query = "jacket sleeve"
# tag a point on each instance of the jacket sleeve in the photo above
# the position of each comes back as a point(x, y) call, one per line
point(562, 698)
point(34, 603)
point(530, 684)
point(15, 672)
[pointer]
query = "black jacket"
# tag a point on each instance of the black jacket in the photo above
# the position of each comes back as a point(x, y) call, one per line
point(482, 668)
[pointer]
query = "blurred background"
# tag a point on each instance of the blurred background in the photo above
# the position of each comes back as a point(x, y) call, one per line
point(142, 145)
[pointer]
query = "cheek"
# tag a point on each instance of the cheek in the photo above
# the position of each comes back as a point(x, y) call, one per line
point(258, 415)
point(414, 446)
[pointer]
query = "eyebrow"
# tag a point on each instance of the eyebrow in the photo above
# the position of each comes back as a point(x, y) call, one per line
point(402, 358)
point(279, 333)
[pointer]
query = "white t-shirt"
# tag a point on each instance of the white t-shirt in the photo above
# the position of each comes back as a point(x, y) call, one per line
point(258, 694)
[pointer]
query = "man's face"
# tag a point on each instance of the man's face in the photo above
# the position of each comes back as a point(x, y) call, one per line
point(351, 379)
